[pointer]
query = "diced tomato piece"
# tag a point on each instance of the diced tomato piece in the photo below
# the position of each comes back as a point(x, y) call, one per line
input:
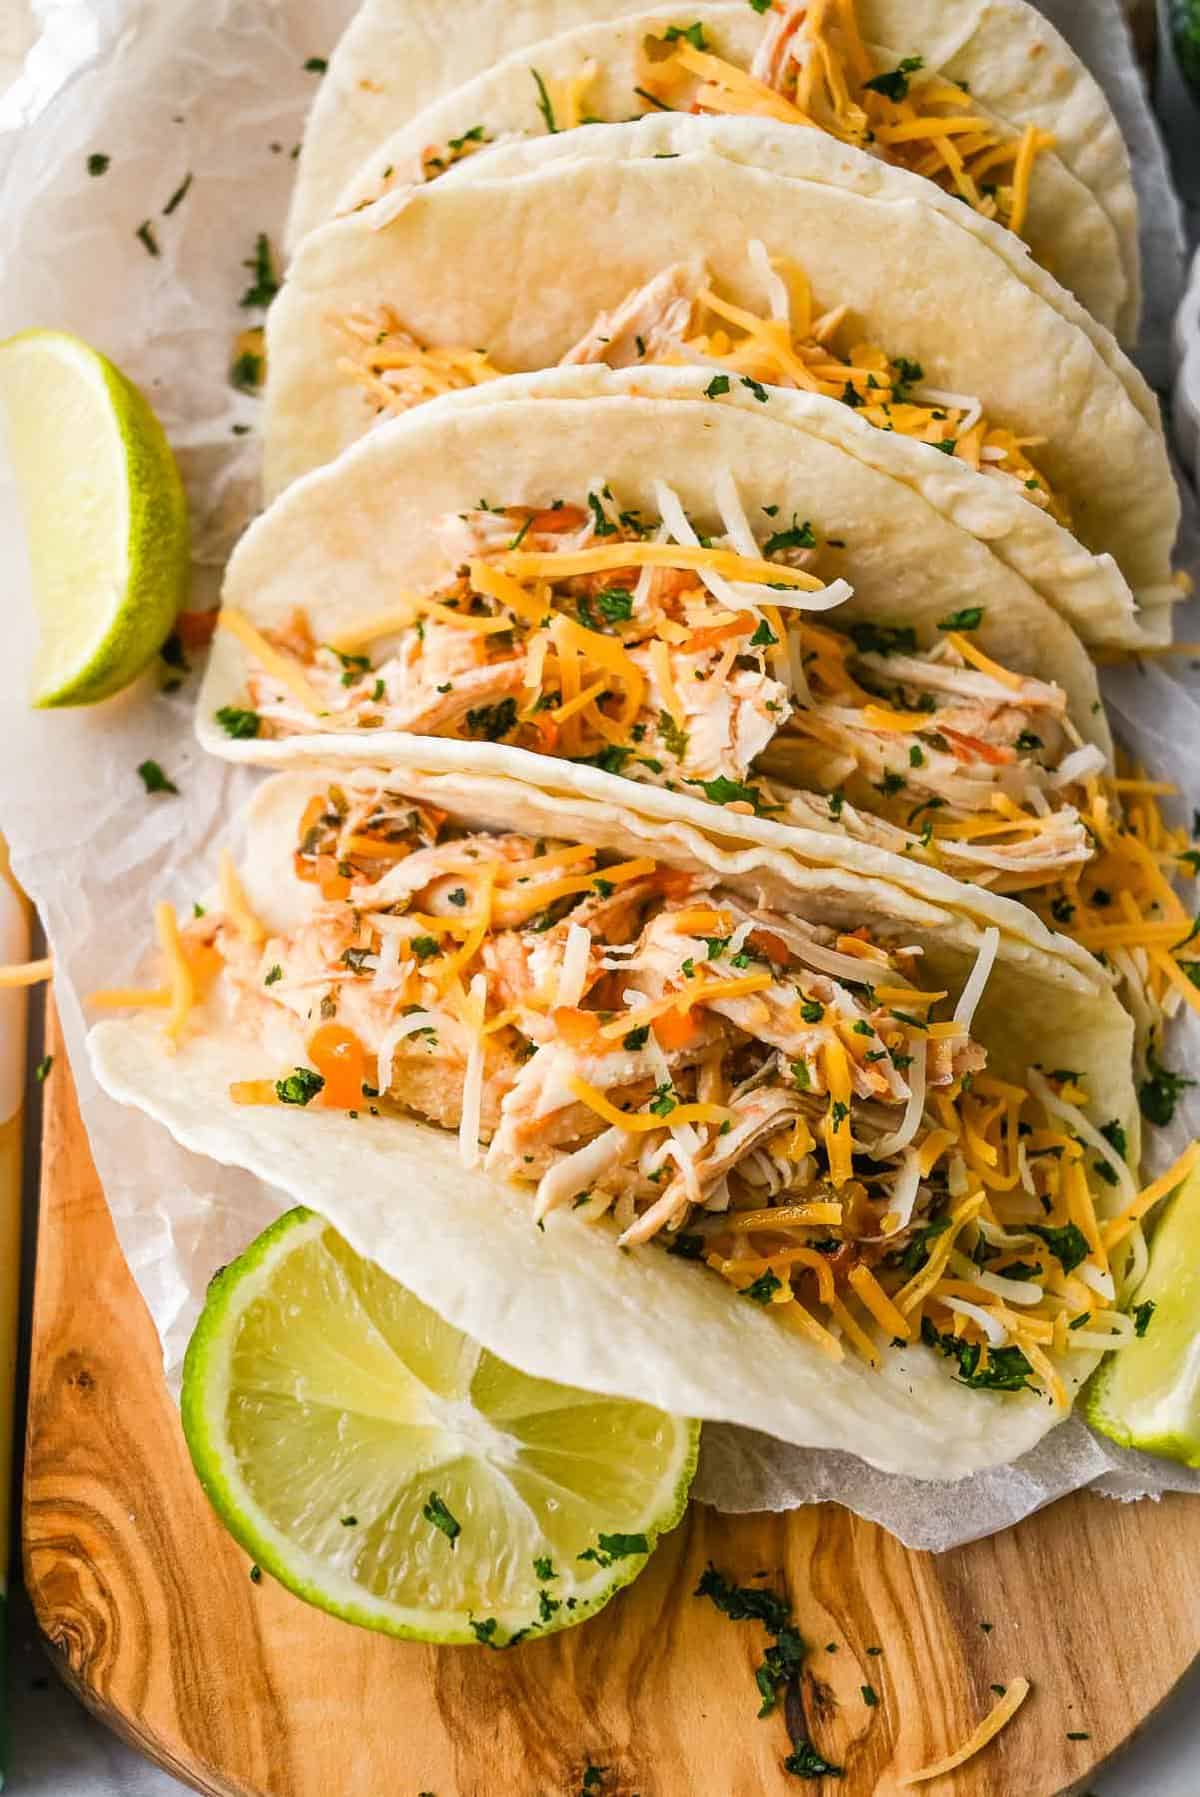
point(577, 1028)
point(195, 628)
point(675, 1029)
point(557, 520)
point(774, 947)
point(333, 884)
point(672, 883)
point(716, 634)
point(974, 746)
point(341, 1060)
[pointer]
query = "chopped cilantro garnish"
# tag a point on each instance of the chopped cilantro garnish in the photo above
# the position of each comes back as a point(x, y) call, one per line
point(722, 791)
point(1068, 1244)
point(800, 536)
point(154, 780)
point(41, 1072)
point(764, 637)
point(615, 604)
point(273, 977)
point(436, 1513)
point(756, 387)
point(300, 1086)
point(884, 639)
point(239, 724)
point(762, 1289)
point(1007, 1368)
point(969, 618)
point(744, 1603)
point(675, 740)
point(1160, 1092)
point(1142, 1314)
point(265, 284)
point(246, 373)
point(663, 1101)
point(693, 33)
point(484, 1630)
point(687, 1247)
point(543, 1568)
point(1029, 741)
point(801, 1077)
point(424, 946)
point(636, 1039)
point(916, 1254)
point(719, 385)
point(493, 722)
point(544, 105)
point(458, 896)
point(600, 519)
point(805, 1762)
point(1115, 1136)
point(1062, 910)
point(812, 1010)
point(870, 1696)
point(893, 84)
point(615, 1547)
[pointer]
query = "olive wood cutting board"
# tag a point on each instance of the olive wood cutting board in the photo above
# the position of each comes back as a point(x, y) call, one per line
point(239, 1689)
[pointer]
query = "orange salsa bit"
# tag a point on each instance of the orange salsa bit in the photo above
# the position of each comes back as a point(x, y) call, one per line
point(340, 1058)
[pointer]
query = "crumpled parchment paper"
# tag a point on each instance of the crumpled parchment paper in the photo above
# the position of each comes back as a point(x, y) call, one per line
point(164, 89)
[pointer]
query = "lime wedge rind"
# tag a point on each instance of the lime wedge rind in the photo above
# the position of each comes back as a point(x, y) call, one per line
point(1147, 1395)
point(206, 1394)
point(105, 515)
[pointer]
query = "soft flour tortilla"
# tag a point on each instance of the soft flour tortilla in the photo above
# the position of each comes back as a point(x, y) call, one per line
point(1067, 229)
point(352, 537)
point(399, 56)
point(909, 261)
point(564, 1303)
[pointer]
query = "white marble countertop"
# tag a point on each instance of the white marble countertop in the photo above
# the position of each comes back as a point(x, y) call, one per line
point(56, 1749)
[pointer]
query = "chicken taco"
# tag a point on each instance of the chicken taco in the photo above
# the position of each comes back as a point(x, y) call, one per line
point(848, 1139)
point(981, 97)
point(765, 254)
point(729, 608)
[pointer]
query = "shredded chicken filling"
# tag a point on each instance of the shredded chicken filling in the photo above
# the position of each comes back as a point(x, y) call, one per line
point(766, 1094)
point(678, 317)
point(696, 668)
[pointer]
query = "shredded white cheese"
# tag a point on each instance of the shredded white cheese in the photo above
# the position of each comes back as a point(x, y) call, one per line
point(972, 992)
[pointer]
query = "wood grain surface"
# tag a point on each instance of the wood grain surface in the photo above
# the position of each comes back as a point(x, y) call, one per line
point(240, 1689)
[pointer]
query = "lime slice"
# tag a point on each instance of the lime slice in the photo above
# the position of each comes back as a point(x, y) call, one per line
point(105, 515)
point(386, 1468)
point(1148, 1395)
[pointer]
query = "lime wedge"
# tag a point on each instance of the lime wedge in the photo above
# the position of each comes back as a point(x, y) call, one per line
point(1148, 1395)
point(105, 515)
point(386, 1468)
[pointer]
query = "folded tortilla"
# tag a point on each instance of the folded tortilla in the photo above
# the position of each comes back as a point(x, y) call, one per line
point(395, 60)
point(316, 960)
point(730, 243)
